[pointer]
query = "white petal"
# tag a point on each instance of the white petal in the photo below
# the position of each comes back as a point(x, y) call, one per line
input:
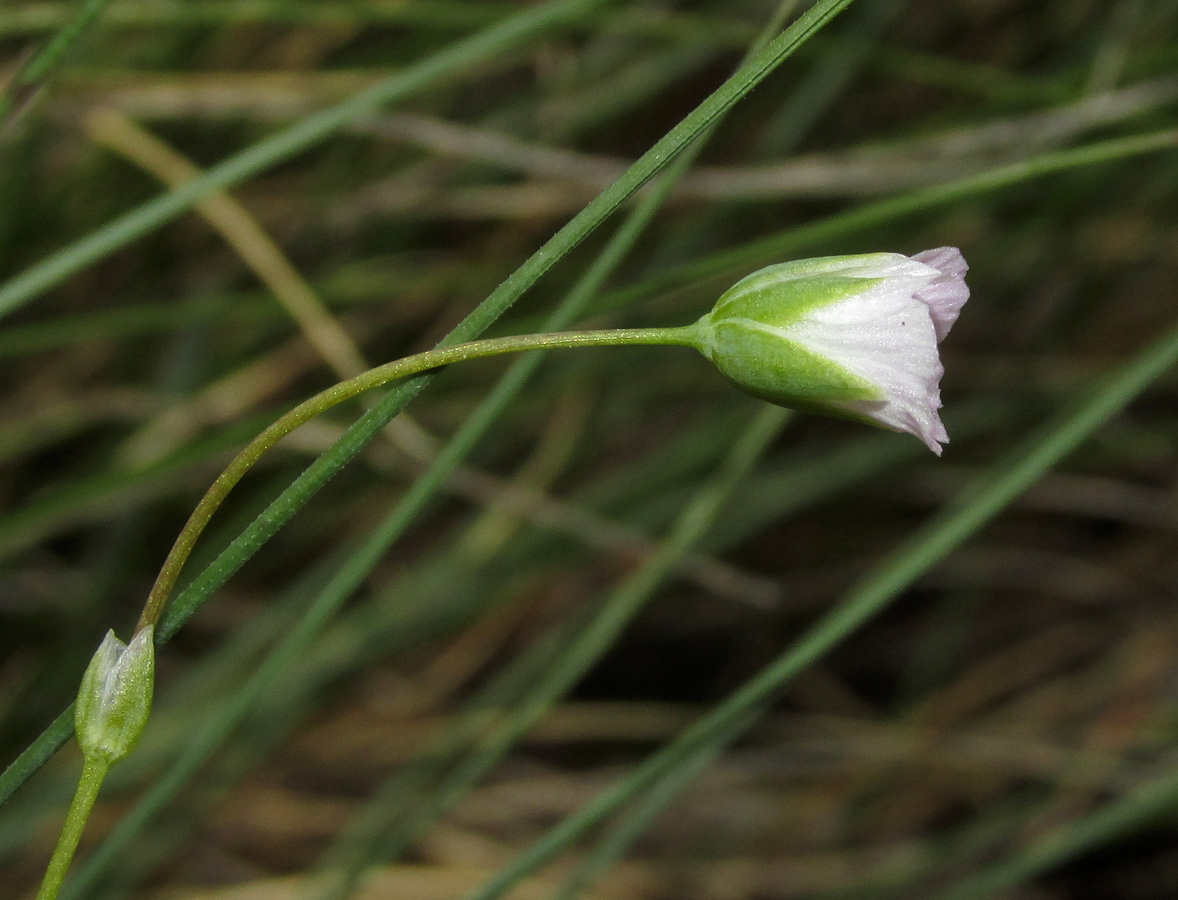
point(886, 336)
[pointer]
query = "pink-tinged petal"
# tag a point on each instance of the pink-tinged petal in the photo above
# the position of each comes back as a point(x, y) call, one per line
point(946, 260)
point(947, 292)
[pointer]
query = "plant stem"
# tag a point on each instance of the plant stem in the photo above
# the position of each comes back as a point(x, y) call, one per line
point(345, 390)
point(94, 770)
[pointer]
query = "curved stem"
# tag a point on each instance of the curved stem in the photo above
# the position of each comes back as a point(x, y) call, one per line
point(345, 390)
point(94, 770)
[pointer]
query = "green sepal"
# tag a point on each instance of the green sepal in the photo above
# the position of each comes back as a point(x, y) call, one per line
point(781, 294)
point(779, 370)
point(745, 335)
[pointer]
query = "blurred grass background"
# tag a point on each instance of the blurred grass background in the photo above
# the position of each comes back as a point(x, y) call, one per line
point(401, 693)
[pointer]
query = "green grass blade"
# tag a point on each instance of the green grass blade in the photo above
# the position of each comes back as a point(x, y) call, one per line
point(96, 497)
point(991, 493)
point(308, 132)
point(30, 76)
point(1113, 820)
point(637, 820)
point(369, 425)
point(618, 609)
point(781, 245)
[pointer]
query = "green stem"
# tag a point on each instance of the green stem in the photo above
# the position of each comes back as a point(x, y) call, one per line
point(94, 771)
point(345, 390)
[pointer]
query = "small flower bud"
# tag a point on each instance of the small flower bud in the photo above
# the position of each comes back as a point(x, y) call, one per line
point(114, 700)
point(854, 336)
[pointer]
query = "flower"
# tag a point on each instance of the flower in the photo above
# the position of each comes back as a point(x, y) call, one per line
point(114, 699)
point(854, 336)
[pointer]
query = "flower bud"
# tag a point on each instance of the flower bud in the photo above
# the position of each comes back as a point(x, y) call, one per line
point(854, 336)
point(114, 700)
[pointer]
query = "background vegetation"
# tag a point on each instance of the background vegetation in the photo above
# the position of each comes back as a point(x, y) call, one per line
point(614, 629)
